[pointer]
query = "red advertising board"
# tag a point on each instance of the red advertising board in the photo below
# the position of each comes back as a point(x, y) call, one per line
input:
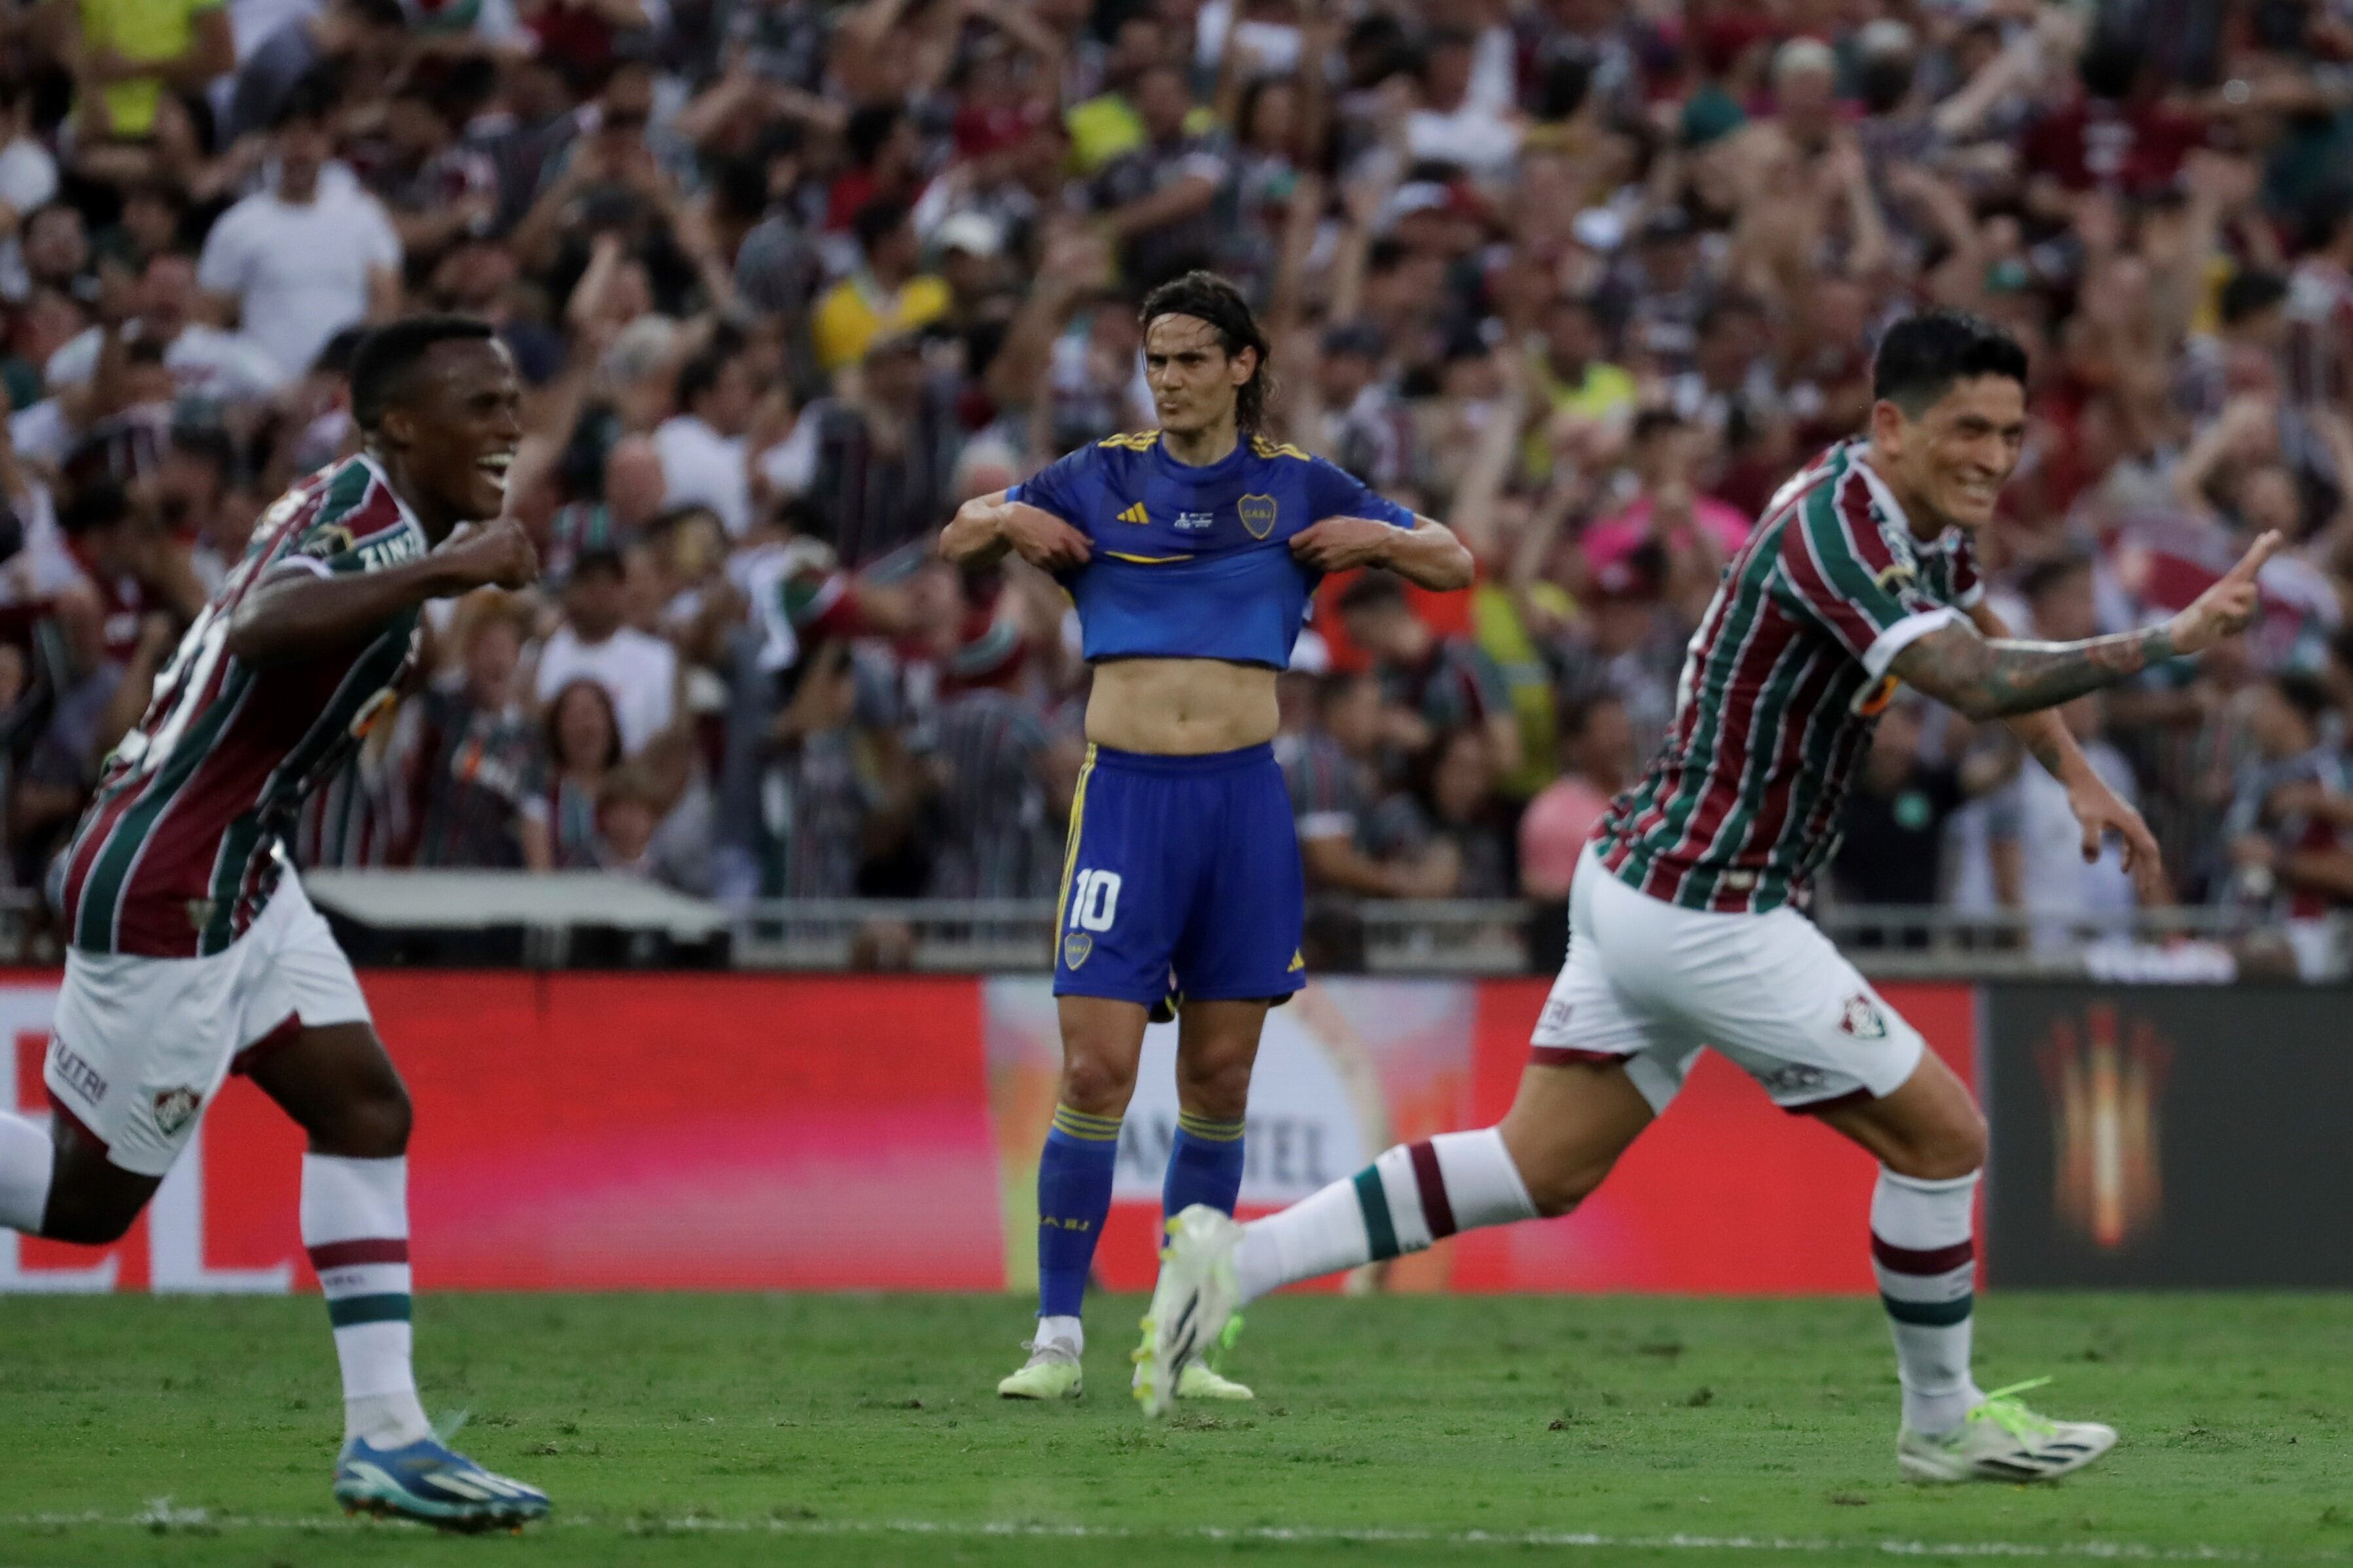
point(634, 1131)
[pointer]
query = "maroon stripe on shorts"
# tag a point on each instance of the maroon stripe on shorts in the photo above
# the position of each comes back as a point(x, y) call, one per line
point(349, 1253)
point(1569, 1056)
point(1934, 1260)
point(1435, 1209)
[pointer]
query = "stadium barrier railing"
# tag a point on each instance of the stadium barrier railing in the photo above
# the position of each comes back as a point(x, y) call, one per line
point(1526, 936)
point(584, 921)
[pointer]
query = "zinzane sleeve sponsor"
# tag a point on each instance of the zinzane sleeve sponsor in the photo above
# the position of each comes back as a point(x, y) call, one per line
point(1851, 581)
point(365, 532)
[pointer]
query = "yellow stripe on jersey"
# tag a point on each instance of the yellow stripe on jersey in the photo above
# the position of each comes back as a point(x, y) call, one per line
point(1070, 841)
point(1269, 448)
point(1134, 440)
point(1146, 560)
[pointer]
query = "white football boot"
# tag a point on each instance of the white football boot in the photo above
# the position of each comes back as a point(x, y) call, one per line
point(2002, 1440)
point(1190, 1305)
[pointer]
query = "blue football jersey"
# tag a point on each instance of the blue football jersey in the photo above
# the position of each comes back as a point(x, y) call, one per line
point(1195, 562)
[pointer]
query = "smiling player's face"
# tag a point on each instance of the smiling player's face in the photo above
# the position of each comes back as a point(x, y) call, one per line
point(1194, 381)
point(459, 429)
point(1954, 459)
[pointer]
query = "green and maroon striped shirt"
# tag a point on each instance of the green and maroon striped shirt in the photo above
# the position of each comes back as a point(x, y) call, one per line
point(1782, 685)
point(180, 848)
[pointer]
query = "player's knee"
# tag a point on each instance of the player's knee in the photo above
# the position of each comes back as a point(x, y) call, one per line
point(1557, 1185)
point(1953, 1147)
point(370, 1125)
point(1096, 1082)
point(1217, 1086)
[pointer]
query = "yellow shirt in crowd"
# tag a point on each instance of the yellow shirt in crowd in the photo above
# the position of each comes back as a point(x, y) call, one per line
point(855, 312)
point(139, 30)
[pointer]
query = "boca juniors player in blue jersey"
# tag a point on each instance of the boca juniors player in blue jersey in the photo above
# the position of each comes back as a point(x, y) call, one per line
point(1190, 551)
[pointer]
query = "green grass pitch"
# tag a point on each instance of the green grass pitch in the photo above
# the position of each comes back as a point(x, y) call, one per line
point(698, 1430)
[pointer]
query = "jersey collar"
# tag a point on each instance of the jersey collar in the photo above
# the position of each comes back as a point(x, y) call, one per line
point(1898, 525)
point(367, 460)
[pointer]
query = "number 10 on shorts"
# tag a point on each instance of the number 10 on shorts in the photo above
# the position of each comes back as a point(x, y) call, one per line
point(1094, 900)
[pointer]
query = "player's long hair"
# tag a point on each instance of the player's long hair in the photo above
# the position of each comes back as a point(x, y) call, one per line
point(1208, 298)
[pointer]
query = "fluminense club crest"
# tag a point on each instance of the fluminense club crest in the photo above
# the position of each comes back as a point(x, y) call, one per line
point(175, 1109)
point(1862, 1018)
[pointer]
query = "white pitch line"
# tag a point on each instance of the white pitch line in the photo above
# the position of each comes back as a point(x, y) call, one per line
point(163, 1517)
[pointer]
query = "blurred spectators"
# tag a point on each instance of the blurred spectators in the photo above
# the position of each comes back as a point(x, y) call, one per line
point(788, 279)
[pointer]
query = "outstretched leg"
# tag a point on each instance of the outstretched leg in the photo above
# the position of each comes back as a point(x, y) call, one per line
point(1565, 1130)
point(1567, 1127)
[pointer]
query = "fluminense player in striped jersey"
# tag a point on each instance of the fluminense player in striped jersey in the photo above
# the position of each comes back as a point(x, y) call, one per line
point(192, 952)
point(1684, 917)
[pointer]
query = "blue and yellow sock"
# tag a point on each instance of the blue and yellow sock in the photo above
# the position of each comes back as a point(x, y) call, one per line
point(1074, 1177)
point(1205, 1165)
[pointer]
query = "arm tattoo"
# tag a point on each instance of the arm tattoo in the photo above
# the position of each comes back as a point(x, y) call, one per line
point(1994, 679)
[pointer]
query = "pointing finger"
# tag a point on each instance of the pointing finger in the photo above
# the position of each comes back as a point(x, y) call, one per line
point(2263, 550)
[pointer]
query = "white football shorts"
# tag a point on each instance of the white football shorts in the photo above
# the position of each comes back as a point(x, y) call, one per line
point(1651, 983)
point(141, 1044)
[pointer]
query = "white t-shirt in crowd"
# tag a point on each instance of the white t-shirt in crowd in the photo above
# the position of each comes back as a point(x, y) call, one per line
point(203, 360)
point(702, 467)
point(300, 273)
point(1470, 137)
point(638, 672)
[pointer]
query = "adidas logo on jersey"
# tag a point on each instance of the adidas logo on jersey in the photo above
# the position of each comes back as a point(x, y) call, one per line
point(1135, 514)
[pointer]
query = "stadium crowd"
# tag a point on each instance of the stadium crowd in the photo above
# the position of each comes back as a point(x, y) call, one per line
point(787, 279)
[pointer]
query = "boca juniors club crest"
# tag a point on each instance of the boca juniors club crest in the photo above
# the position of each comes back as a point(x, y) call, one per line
point(1862, 1020)
point(1075, 948)
point(175, 1109)
point(1257, 514)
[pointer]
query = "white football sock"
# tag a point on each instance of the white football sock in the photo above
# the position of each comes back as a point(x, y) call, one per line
point(1067, 1332)
point(356, 1224)
point(1922, 1250)
point(1412, 1195)
point(26, 1159)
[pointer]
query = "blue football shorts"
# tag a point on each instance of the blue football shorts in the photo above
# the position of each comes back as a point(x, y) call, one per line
point(1182, 875)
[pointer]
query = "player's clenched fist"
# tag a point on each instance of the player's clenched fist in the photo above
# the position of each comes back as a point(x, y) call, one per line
point(495, 555)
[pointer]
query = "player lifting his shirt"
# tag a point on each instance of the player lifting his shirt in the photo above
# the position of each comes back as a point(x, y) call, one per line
point(1684, 914)
point(192, 952)
point(1190, 551)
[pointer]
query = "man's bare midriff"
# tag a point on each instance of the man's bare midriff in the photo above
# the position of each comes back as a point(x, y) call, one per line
point(1181, 707)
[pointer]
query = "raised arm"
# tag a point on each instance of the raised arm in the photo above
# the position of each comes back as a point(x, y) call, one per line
point(304, 612)
point(1998, 679)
